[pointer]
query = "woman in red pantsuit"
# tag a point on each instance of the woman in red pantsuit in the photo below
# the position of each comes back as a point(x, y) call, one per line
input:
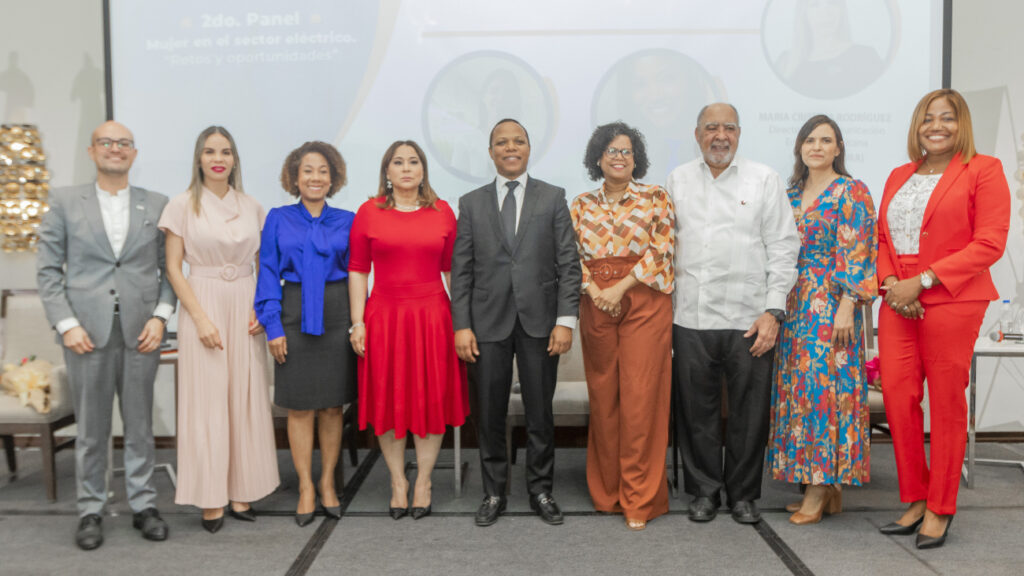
point(943, 223)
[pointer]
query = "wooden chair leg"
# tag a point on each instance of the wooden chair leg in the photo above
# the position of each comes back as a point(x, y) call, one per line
point(12, 460)
point(46, 447)
point(353, 433)
point(339, 474)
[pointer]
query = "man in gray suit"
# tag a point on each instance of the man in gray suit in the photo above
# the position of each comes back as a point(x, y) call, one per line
point(100, 271)
point(515, 293)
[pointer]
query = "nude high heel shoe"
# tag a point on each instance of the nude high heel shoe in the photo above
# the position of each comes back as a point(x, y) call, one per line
point(831, 504)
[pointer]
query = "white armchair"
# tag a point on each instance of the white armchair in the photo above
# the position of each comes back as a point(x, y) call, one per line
point(26, 332)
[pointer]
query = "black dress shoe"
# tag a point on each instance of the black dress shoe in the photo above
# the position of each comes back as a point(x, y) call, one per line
point(746, 512)
point(545, 506)
point(398, 513)
point(489, 510)
point(247, 515)
point(212, 526)
point(924, 542)
point(897, 529)
point(703, 509)
point(90, 532)
point(419, 512)
point(151, 524)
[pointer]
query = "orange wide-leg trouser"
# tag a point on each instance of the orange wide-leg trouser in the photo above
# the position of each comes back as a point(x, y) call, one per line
point(628, 363)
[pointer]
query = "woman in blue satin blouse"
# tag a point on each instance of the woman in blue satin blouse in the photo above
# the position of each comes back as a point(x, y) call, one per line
point(306, 316)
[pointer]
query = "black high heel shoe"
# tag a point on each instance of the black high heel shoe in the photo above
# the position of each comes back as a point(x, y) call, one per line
point(306, 519)
point(399, 513)
point(924, 542)
point(419, 512)
point(896, 529)
point(212, 526)
point(247, 515)
point(332, 511)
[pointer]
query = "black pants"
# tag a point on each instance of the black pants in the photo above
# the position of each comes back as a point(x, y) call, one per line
point(490, 386)
point(701, 359)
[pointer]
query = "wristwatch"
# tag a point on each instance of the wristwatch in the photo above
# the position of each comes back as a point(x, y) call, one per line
point(780, 315)
point(160, 318)
point(926, 281)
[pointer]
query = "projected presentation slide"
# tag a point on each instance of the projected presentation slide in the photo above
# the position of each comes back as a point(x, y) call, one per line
point(363, 73)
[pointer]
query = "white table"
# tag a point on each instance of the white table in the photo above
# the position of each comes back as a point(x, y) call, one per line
point(985, 348)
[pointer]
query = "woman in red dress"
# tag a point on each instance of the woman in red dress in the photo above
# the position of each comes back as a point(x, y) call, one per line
point(410, 379)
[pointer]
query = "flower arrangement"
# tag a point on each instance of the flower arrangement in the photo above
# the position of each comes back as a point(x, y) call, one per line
point(30, 382)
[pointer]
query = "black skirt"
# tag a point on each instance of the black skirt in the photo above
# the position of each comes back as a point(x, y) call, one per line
point(319, 371)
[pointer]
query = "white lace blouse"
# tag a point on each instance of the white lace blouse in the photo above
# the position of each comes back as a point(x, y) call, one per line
point(906, 212)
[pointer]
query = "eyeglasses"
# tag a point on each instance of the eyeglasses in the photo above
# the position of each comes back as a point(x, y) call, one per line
point(123, 144)
point(613, 152)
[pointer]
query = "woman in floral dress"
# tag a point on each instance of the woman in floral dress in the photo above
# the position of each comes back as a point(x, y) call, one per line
point(820, 432)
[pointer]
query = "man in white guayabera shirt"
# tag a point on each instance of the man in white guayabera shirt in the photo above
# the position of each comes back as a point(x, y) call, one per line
point(736, 255)
point(101, 277)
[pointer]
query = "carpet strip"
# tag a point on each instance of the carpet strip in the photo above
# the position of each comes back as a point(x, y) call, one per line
point(316, 543)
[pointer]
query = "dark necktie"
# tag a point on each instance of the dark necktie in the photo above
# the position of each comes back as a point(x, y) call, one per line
point(508, 213)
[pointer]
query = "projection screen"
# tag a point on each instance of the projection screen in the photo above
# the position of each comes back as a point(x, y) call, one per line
point(363, 73)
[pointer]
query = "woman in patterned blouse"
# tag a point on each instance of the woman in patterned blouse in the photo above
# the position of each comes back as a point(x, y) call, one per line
point(625, 237)
point(820, 428)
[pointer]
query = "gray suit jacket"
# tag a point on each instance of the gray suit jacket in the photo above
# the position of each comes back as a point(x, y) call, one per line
point(77, 271)
point(537, 279)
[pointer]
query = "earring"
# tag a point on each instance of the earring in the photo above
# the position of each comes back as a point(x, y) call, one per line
point(598, 163)
point(421, 185)
point(388, 185)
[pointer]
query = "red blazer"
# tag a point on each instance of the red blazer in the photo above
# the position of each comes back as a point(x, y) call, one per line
point(963, 233)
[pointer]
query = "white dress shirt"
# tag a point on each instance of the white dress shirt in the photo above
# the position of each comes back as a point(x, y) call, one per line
point(906, 212)
point(736, 244)
point(501, 186)
point(115, 210)
point(115, 213)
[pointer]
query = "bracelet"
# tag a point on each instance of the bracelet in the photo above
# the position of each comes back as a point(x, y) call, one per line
point(354, 326)
point(160, 318)
point(850, 297)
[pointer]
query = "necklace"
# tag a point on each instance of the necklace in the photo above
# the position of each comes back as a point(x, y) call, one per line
point(932, 169)
point(407, 208)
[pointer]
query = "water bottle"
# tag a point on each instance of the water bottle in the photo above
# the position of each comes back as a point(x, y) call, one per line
point(1018, 319)
point(1006, 318)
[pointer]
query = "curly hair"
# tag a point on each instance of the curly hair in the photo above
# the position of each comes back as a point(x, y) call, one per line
point(603, 136)
point(335, 163)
